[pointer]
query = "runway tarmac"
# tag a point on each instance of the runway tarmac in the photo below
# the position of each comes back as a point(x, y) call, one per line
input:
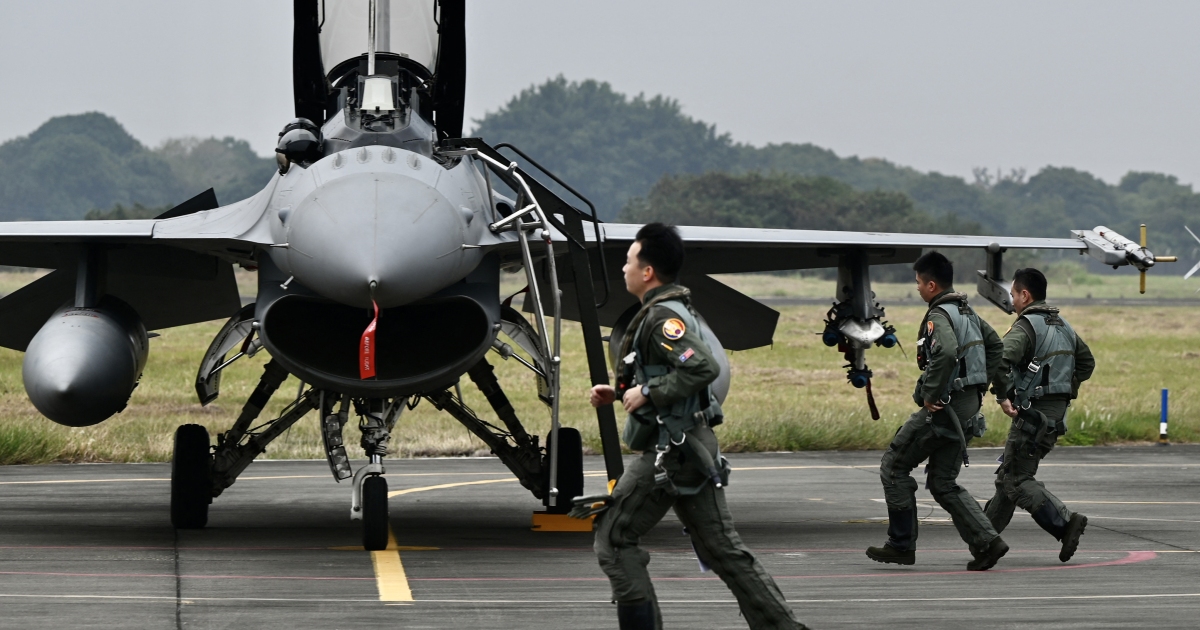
point(85, 546)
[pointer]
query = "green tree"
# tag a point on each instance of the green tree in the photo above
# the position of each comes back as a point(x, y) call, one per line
point(74, 164)
point(608, 146)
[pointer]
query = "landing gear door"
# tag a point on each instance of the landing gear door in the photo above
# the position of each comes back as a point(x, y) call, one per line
point(208, 379)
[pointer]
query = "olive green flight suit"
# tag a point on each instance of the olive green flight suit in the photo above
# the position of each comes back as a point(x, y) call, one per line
point(933, 436)
point(638, 503)
point(1028, 443)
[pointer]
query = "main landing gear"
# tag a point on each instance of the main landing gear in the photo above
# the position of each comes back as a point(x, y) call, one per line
point(201, 472)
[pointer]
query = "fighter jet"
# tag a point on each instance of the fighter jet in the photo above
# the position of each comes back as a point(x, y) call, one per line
point(1191, 272)
point(378, 247)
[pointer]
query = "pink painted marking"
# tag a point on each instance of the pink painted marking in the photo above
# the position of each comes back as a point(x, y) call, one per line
point(1131, 557)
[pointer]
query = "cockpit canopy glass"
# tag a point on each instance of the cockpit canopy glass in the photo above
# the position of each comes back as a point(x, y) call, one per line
point(404, 27)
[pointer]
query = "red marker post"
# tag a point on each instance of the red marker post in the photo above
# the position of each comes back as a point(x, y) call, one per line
point(366, 348)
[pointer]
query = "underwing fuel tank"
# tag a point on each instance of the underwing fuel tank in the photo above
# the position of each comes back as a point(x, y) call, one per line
point(83, 364)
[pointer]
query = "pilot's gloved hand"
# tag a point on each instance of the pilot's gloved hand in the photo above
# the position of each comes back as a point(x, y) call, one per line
point(589, 505)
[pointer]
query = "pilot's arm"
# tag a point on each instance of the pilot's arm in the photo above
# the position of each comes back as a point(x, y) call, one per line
point(941, 352)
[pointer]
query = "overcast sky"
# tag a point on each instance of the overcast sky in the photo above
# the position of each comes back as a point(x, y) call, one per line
point(1103, 86)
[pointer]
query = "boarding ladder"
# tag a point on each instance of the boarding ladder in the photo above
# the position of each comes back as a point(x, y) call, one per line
point(538, 209)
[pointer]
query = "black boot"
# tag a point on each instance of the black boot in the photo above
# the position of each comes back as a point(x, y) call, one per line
point(989, 556)
point(636, 616)
point(1070, 540)
point(1048, 518)
point(901, 544)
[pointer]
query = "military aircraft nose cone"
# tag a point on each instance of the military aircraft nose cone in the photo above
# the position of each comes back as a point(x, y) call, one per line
point(384, 227)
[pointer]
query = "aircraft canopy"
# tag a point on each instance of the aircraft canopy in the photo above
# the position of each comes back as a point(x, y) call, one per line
point(408, 28)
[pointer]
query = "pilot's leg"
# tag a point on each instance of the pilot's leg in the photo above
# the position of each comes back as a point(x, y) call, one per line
point(1024, 490)
point(636, 508)
point(907, 450)
point(710, 525)
point(972, 524)
point(1001, 506)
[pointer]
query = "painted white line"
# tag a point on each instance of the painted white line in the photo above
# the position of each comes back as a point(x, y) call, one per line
point(1131, 518)
point(520, 602)
point(185, 600)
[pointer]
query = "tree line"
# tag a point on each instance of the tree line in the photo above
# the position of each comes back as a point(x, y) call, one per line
point(637, 158)
point(88, 163)
point(640, 158)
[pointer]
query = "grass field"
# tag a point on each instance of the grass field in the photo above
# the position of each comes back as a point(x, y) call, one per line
point(790, 396)
point(1159, 285)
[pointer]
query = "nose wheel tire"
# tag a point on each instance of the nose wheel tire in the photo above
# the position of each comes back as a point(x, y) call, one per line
point(191, 486)
point(375, 513)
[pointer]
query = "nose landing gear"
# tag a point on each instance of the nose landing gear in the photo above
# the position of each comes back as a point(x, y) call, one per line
point(369, 504)
point(369, 500)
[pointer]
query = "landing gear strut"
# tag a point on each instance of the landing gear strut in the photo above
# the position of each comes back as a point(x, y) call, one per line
point(369, 502)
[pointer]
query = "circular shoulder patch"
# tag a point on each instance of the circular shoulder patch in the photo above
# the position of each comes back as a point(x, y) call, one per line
point(673, 328)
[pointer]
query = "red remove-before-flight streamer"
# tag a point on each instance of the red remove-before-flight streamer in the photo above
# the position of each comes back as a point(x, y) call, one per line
point(366, 348)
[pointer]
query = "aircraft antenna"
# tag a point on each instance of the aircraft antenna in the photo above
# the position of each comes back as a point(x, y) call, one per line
point(371, 39)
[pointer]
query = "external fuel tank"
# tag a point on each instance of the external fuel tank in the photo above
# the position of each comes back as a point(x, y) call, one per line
point(84, 363)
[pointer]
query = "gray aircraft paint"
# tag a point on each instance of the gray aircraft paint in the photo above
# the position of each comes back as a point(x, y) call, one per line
point(378, 214)
point(84, 363)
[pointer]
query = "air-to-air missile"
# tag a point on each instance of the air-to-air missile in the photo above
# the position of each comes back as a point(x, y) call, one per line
point(1110, 248)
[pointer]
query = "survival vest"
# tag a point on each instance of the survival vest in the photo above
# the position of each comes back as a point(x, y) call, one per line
point(972, 355)
point(1052, 369)
point(642, 432)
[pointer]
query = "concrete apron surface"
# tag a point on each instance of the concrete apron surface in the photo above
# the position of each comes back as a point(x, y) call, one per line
point(86, 546)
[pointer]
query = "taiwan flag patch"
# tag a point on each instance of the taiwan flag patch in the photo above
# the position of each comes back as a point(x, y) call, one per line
point(686, 355)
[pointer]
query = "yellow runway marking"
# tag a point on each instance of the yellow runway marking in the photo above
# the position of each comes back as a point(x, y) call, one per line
point(459, 484)
point(389, 573)
point(442, 486)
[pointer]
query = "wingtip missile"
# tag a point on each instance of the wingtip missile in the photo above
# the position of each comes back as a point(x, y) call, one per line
point(1193, 270)
point(1110, 248)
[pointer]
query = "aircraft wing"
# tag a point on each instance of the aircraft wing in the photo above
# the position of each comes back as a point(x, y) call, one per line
point(737, 250)
point(173, 271)
point(742, 322)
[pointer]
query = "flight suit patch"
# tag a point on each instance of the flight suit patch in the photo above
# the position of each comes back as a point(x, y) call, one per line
point(686, 355)
point(673, 329)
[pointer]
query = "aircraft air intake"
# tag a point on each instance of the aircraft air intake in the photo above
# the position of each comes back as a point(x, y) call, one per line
point(418, 347)
point(84, 363)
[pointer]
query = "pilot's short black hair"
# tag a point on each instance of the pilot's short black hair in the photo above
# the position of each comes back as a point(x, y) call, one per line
point(1031, 280)
point(934, 266)
point(662, 248)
